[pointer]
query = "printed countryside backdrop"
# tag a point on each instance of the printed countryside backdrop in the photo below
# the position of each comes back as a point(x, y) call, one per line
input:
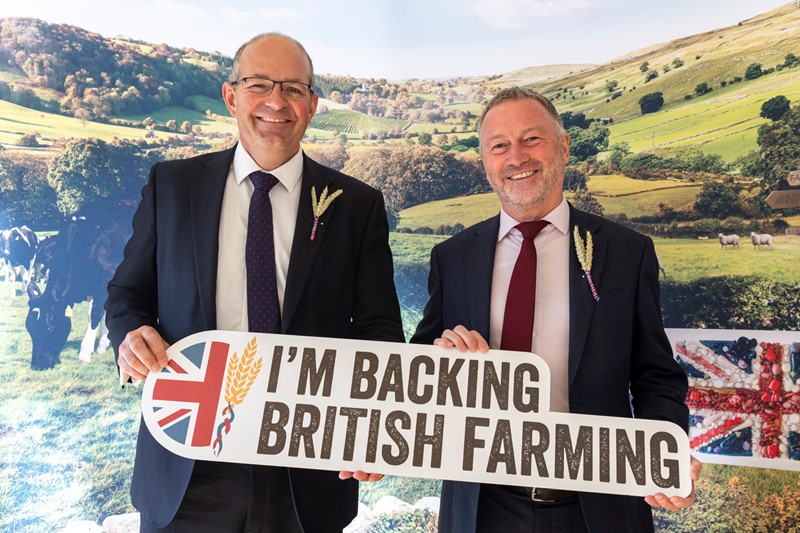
point(679, 130)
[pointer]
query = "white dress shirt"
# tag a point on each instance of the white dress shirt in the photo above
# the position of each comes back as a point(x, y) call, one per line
point(551, 321)
point(231, 298)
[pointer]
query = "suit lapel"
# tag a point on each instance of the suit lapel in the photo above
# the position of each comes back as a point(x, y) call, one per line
point(205, 199)
point(304, 251)
point(581, 301)
point(478, 254)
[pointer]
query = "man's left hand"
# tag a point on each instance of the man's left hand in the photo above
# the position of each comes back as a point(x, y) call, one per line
point(360, 475)
point(676, 502)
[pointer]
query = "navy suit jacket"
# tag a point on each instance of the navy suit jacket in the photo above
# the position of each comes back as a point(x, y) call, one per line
point(340, 285)
point(616, 345)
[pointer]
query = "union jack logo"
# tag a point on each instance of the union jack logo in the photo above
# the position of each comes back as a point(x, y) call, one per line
point(744, 395)
point(185, 403)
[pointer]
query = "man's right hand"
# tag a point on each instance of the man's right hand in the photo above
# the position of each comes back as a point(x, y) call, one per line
point(142, 351)
point(463, 339)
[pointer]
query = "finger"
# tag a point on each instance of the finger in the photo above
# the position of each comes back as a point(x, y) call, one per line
point(455, 339)
point(129, 360)
point(697, 467)
point(375, 477)
point(157, 346)
point(483, 346)
point(345, 474)
point(469, 340)
point(444, 343)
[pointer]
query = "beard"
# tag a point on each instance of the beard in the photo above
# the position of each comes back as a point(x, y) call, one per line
point(542, 190)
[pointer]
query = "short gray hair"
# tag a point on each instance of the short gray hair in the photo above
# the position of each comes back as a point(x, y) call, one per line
point(521, 93)
point(237, 57)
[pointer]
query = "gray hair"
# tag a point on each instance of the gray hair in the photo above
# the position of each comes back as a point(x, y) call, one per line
point(235, 67)
point(521, 93)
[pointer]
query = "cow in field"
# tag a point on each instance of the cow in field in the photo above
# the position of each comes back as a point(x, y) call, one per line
point(19, 247)
point(761, 238)
point(725, 240)
point(83, 257)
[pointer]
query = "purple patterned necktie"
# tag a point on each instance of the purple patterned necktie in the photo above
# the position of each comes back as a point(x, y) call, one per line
point(520, 302)
point(263, 306)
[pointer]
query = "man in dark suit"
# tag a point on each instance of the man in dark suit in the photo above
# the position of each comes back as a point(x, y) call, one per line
point(187, 268)
point(608, 356)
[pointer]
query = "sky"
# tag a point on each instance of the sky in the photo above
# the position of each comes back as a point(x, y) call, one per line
point(400, 39)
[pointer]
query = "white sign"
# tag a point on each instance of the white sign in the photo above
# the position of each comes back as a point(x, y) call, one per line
point(399, 409)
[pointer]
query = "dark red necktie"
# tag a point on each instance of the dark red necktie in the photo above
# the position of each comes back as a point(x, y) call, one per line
point(518, 317)
point(263, 306)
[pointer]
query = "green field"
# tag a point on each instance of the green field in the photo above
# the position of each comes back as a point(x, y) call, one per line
point(16, 121)
point(690, 259)
point(410, 248)
point(346, 121)
point(466, 210)
point(724, 121)
point(197, 118)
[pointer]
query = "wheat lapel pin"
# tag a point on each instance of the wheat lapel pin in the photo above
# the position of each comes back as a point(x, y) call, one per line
point(319, 205)
point(583, 249)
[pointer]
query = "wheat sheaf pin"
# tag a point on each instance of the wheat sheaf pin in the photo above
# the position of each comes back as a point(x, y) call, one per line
point(242, 372)
point(320, 205)
point(583, 249)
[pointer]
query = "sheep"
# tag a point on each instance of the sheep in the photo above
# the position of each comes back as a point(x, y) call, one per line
point(725, 240)
point(759, 239)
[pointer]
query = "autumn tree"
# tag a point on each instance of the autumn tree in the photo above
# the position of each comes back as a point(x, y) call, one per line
point(412, 174)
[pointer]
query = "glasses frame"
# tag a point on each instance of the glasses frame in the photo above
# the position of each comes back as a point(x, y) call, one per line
point(244, 79)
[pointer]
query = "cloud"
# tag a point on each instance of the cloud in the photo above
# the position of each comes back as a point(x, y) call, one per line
point(516, 14)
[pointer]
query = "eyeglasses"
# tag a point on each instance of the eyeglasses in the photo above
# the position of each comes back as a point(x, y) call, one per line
point(262, 86)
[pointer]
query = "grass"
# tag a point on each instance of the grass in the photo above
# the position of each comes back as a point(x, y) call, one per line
point(467, 210)
point(16, 121)
point(410, 248)
point(351, 122)
point(690, 259)
point(724, 121)
point(67, 434)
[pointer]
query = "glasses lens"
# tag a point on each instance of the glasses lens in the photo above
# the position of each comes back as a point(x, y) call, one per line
point(257, 85)
point(294, 89)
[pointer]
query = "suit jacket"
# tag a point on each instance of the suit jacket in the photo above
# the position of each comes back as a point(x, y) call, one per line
point(340, 285)
point(615, 345)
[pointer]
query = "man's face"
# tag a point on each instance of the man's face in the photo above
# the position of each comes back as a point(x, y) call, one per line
point(271, 126)
point(524, 157)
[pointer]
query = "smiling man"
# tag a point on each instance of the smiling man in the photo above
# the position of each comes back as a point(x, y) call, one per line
point(230, 240)
point(518, 281)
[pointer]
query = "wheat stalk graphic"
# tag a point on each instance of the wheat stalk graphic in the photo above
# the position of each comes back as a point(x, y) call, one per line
point(242, 373)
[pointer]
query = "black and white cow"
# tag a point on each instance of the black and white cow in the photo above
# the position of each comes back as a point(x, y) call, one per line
point(83, 257)
point(19, 247)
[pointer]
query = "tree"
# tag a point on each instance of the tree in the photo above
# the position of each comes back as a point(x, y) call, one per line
point(425, 138)
point(584, 201)
point(651, 75)
point(779, 142)
point(753, 71)
point(617, 152)
point(718, 200)
point(25, 195)
point(611, 86)
point(702, 88)
point(29, 140)
point(91, 171)
point(775, 107)
point(412, 174)
point(677, 63)
point(652, 102)
point(644, 67)
point(574, 179)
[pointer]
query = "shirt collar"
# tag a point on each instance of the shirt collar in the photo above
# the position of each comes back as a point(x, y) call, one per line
point(288, 174)
point(558, 219)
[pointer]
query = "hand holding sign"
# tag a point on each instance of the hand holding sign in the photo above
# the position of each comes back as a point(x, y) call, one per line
point(394, 408)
